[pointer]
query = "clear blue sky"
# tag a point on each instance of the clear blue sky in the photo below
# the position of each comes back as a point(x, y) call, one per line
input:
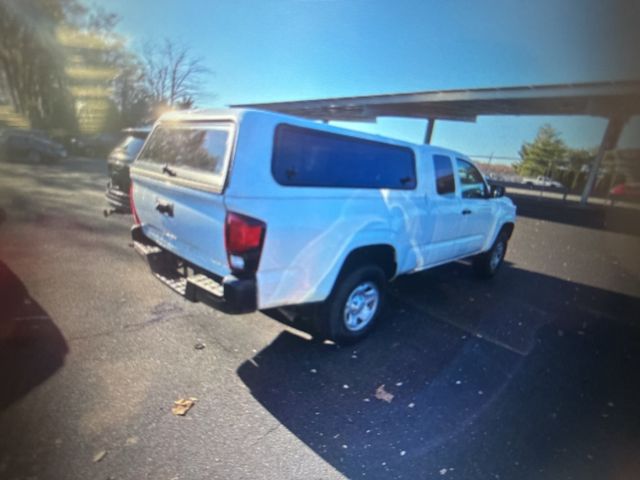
point(264, 51)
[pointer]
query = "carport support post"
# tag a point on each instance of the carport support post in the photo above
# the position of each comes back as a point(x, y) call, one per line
point(609, 142)
point(427, 135)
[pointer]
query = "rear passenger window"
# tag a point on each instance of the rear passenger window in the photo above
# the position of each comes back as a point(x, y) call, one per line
point(306, 157)
point(445, 184)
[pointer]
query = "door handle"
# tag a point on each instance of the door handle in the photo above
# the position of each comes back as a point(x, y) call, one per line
point(164, 207)
point(466, 211)
point(168, 171)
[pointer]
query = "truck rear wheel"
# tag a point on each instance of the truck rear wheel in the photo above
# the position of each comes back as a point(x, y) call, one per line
point(354, 307)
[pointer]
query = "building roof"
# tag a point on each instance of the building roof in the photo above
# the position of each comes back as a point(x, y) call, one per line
point(602, 99)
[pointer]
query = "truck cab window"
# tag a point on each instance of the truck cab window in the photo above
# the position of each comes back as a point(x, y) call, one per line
point(445, 184)
point(471, 182)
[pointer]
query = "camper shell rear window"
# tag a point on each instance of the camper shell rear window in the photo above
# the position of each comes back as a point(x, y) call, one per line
point(189, 153)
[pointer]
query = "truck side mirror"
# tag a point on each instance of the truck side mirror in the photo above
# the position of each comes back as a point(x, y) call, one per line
point(497, 191)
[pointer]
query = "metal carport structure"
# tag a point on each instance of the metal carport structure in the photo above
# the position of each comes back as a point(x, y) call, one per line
point(616, 101)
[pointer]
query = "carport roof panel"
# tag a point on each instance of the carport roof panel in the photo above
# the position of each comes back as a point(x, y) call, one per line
point(596, 99)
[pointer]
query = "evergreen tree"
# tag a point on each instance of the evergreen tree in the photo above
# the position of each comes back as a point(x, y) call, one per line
point(546, 152)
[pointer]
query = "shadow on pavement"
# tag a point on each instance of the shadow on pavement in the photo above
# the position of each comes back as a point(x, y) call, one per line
point(509, 309)
point(31, 346)
point(617, 218)
point(466, 402)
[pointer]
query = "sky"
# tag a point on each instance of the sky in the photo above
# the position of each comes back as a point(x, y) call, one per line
point(277, 50)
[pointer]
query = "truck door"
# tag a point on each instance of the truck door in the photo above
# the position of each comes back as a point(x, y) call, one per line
point(477, 208)
point(443, 220)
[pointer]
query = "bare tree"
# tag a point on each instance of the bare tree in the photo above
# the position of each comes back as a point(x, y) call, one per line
point(173, 76)
point(130, 91)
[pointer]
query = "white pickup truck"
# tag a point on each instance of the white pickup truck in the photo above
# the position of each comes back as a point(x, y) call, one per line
point(541, 181)
point(251, 210)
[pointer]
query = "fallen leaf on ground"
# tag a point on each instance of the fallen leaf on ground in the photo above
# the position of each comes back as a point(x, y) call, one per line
point(99, 456)
point(183, 405)
point(382, 394)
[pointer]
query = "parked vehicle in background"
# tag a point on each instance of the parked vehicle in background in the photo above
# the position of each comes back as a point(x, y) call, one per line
point(96, 145)
point(542, 182)
point(251, 210)
point(118, 164)
point(627, 191)
point(30, 145)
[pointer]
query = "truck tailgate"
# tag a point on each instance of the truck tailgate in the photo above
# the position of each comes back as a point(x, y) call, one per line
point(178, 180)
point(194, 230)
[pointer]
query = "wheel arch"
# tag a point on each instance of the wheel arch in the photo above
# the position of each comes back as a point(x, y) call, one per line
point(508, 228)
point(507, 225)
point(383, 255)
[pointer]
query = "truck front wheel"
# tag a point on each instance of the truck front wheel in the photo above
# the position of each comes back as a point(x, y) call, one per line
point(354, 307)
point(487, 264)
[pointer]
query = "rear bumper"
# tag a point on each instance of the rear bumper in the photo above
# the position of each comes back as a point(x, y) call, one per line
point(117, 198)
point(228, 294)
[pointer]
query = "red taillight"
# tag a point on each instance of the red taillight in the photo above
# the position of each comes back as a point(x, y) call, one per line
point(243, 233)
point(136, 219)
point(244, 237)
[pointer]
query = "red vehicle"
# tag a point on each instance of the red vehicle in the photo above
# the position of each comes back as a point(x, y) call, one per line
point(625, 191)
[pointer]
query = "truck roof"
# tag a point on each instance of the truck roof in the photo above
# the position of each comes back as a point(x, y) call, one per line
point(236, 114)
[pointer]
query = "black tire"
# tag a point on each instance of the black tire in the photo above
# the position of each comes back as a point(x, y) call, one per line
point(485, 264)
point(331, 319)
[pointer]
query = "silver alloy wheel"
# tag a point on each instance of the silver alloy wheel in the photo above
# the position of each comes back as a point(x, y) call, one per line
point(361, 306)
point(496, 256)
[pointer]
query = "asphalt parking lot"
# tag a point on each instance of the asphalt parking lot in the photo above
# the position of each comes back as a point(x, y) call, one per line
point(534, 374)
